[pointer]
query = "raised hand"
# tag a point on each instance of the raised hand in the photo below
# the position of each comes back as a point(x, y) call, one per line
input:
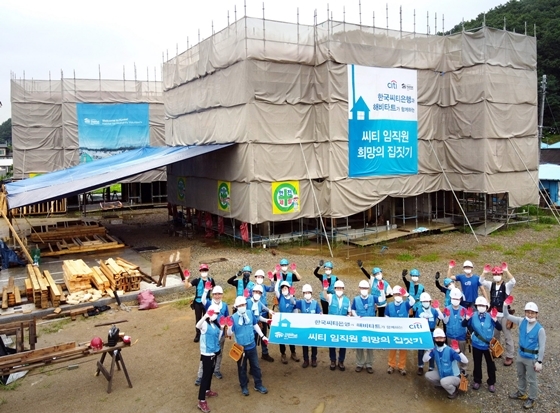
point(452, 264)
point(186, 273)
point(403, 292)
point(435, 304)
point(463, 312)
point(277, 268)
point(437, 275)
point(321, 263)
point(404, 272)
point(293, 266)
point(470, 312)
point(455, 346)
point(208, 285)
point(270, 275)
point(325, 284)
point(229, 321)
point(487, 268)
point(504, 266)
point(210, 312)
point(494, 312)
point(508, 300)
point(246, 293)
point(446, 312)
point(292, 290)
point(360, 263)
point(223, 321)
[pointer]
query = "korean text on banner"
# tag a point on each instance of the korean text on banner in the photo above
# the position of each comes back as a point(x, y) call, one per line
point(382, 121)
point(285, 197)
point(350, 332)
point(224, 193)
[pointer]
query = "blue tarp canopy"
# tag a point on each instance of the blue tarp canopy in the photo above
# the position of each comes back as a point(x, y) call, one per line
point(99, 173)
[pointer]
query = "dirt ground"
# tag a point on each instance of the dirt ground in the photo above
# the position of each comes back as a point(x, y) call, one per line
point(163, 360)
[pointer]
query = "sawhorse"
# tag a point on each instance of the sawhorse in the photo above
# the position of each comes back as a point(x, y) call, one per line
point(116, 360)
point(170, 268)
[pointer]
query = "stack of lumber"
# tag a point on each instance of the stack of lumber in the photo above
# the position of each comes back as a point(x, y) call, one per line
point(68, 229)
point(10, 294)
point(122, 275)
point(90, 295)
point(77, 275)
point(39, 286)
point(100, 281)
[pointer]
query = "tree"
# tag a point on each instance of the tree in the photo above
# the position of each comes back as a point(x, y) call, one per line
point(6, 132)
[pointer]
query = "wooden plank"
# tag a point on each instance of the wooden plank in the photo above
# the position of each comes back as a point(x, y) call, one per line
point(4, 297)
point(18, 295)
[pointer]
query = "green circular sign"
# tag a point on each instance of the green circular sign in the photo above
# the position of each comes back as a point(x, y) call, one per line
point(223, 196)
point(181, 188)
point(286, 198)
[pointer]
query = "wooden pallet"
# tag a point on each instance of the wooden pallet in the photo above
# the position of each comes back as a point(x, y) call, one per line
point(79, 244)
point(65, 230)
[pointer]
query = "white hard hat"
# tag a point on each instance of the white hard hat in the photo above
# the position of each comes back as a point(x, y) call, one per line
point(258, 288)
point(467, 263)
point(531, 306)
point(307, 289)
point(259, 273)
point(338, 284)
point(481, 301)
point(455, 293)
point(397, 290)
point(425, 297)
point(363, 284)
point(438, 332)
point(217, 290)
point(239, 301)
point(285, 284)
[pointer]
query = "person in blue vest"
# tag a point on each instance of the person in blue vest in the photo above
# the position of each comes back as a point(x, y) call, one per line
point(364, 305)
point(259, 279)
point(530, 355)
point(245, 324)
point(380, 288)
point(261, 312)
point(499, 290)
point(308, 305)
point(282, 272)
point(481, 325)
point(339, 304)
point(217, 295)
point(243, 286)
point(448, 285)
point(198, 284)
point(432, 315)
point(414, 288)
point(401, 309)
point(447, 358)
point(454, 314)
point(211, 334)
point(329, 277)
point(470, 283)
point(286, 304)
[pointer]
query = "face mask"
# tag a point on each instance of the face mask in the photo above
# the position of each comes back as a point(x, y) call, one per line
point(284, 268)
point(246, 275)
point(285, 292)
point(216, 301)
point(426, 305)
point(414, 279)
point(530, 320)
point(467, 270)
point(260, 280)
point(398, 300)
point(204, 274)
point(497, 278)
point(241, 310)
point(213, 317)
point(339, 293)
point(256, 297)
point(481, 309)
point(455, 302)
point(328, 272)
point(440, 343)
point(379, 276)
point(307, 296)
point(364, 293)
point(451, 286)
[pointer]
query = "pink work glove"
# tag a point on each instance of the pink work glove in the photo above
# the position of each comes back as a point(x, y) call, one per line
point(293, 266)
point(270, 275)
point(208, 285)
point(435, 304)
point(487, 268)
point(446, 312)
point(325, 284)
point(504, 266)
point(455, 346)
point(210, 312)
point(186, 273)
point(451, 263)
point(292, 290)
point(508, 300)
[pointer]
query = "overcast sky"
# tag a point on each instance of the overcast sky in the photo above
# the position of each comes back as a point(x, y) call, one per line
point(39, 36)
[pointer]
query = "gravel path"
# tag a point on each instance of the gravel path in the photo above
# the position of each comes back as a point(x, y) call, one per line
point(531, 253)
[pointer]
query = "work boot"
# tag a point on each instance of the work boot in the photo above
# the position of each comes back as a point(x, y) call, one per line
point(305, 364)
point(284, 359)
point(359, 368)
point(267, 357)
point(294, 357)
point(313, 362)
point(420, 371)
point(333, 365)
point(529, 404)
point(341, 366)
point(518, 395)
point(453, 395)
point(369, 369)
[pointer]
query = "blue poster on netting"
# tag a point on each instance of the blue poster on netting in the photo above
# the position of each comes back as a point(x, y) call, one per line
point(106, 129)
point(382, 121)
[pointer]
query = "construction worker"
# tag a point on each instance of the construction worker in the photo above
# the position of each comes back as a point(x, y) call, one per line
point(282, 272)
point(380, 288)
point(243, 286)
point(447, 374)
point(261, 312)
point(329, 277)
point(364, 305)
point(454, 314)
point(448, 285)
point(199, 284)
point(414, 288)
point(339, 305)
point(286, 304)
point(259, 279)
point(470, 283)
point(399, 308)
point(308, 305)
point(530, 355)
point(432, 315)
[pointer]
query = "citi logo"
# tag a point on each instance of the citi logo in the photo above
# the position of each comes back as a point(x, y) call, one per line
point(415, 326)
point(392, 84)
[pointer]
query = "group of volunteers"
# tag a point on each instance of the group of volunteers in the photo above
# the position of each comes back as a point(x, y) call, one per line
point(475, 310)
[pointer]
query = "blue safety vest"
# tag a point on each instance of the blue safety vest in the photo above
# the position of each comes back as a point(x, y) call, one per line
point(244, 333)
point(333, 279)
point(400, 311)
point(366, 309)
point(529, 342)
point(200, 289)
point(240, 289)
point(419, 290)
point(224, 311)
point(210, 341)
point(285, 305)
point(311, 307)
point(454, 329)
point(335, 309)
point(433, 316)
point(447, 297)
point(376, 292)
point(446, 363)
point(287, 277)
point(482, 332)
point(255, 308)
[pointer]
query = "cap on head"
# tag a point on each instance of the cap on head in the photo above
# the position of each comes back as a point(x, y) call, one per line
point(338, 284)
point(307, 289)
point(259, 273)
point(481, 301)
point(217, 290)
point(363, 284)
point(285, 284)
point(247, 268)
point(468, 263)
point(414, 273)
point(447, 281)
point(425, 297)
point(258, 288)
point(438, 332)
point(455, 293)
point(531, 306)
point(397, 290)
point(239, 301)
point(203, 267)
point(376, 270)
point(329, 264)
point(284, 261)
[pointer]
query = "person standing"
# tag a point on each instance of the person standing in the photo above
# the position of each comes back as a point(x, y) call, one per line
point(308, 305)
point(199, 284)
point(211, 333)
point(454, 314)
point(499, 291)
point(481, 325)
point(414, 288)
point(243, 286)
point(364, 305)
point(399, 309)
point(338, 305)
point(261, 313)
point(282, 272)
point(259, 279)
point(470, 283)
point(431, 314)
point(245, 324)
point(380, 288)
point(286, 304)
point(329, 277)
point(530, 355)
point(448, 285)
point(447, 358)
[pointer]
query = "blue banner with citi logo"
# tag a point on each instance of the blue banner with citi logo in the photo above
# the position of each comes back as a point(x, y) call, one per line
point(350, 332)
point(382, 121)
